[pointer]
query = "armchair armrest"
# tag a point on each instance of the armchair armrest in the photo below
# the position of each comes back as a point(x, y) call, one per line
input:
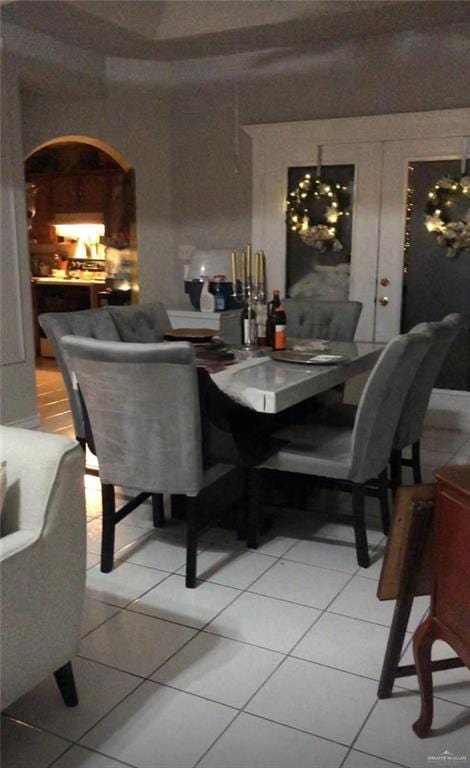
point(15, 544)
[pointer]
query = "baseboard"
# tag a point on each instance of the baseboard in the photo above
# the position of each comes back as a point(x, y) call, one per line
point(29, 422)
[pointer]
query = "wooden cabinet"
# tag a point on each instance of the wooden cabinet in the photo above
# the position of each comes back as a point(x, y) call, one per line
point(103, 191)
point(80, 192)
point(41, 229)
point(449, 617)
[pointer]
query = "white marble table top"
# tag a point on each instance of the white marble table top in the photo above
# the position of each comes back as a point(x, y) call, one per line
point(269, 386)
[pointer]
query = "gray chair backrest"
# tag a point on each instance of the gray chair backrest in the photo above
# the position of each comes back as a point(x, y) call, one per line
point(142, 402)
point(141, 322)
point(335, 320)
point(91, 323)
point(382, 401)
point(416, 404)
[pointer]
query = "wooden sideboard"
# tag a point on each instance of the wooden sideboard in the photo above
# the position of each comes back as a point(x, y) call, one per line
point(449, 617)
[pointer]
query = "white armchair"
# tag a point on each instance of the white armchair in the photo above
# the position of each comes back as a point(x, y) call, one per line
point(42, 561)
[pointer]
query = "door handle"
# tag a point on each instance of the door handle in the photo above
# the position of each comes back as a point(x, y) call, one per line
point(385, 281)
point(383, 301)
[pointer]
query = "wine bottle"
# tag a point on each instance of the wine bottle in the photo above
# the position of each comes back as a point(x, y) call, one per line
point(248, 319)
point(279, 328)
point(272, 306)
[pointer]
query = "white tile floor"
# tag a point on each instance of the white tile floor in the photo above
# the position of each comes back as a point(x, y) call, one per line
point(272, 662)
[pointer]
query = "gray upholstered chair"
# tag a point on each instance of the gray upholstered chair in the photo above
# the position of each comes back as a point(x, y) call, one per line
point(335, 320)
point(141, 323)
point(142, 401)
point(91, 323)
point(351, 459)
point(416, 404)
point(42, 561)
point(410, 425)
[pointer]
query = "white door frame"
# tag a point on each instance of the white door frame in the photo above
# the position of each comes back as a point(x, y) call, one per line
point(278, 146)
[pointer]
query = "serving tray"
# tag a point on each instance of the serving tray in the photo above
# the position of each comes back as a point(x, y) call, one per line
point(196, 335)
point(308, 358)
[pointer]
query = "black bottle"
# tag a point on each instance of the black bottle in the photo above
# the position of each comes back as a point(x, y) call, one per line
point(272, 306)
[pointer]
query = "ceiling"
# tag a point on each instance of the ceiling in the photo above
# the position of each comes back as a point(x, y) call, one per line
point(184, 29)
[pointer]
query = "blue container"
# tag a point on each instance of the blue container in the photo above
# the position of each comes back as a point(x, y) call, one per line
point(194, 287)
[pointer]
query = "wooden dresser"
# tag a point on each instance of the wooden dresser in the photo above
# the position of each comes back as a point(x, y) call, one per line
point(449, 617)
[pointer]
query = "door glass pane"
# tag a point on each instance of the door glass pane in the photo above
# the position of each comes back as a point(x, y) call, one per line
point(318, 241)
point(434, 284)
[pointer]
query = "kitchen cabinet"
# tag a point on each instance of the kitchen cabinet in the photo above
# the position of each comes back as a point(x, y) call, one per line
point(90, 191)
point(80, 192)
point(41, 230)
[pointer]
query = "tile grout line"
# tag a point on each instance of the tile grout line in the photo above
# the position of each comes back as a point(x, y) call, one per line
point(204, 628)
point(94, 752)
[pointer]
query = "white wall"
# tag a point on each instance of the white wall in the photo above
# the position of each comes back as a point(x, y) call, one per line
point(66, 91)
point(405, 72)
point(18, 397)
point(128, 110)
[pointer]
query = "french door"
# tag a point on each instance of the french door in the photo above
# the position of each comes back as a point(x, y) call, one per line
point(363, 161)
point(397, 269)
point(410, 170)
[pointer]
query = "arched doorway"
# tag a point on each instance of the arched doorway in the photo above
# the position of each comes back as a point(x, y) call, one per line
point(82, 244)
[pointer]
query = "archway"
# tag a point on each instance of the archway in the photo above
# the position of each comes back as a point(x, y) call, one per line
point(82, 243)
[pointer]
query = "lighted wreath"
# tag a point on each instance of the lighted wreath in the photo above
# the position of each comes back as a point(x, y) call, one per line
point(453, 235)
point(317, 231)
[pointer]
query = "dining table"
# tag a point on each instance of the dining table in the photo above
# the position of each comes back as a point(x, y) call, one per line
point(268, 385)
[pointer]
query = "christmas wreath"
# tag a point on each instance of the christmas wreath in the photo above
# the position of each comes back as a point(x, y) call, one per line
point(317, 230)
point(453, 235)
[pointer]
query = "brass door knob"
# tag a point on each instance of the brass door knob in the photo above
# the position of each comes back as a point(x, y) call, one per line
point(385, 281)
point(383, 301)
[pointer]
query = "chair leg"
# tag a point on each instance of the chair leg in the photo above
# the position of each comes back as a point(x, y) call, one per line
point(416, 461)
point(362, 548)
point(422, 645)
point(66, 684)
point(384, 509)
point(252, 509)
point(192, 509)
point(395, 471)
point(158, 510)
point(109, 525)
point(242, 512)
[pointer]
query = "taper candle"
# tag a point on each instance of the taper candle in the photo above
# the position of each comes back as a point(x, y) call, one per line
point(243, 268)
point(261, 266)
point(234, 271)
point(257, 267)
point(248, 260)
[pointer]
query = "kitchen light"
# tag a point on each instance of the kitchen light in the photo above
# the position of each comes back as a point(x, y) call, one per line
point(91, 233)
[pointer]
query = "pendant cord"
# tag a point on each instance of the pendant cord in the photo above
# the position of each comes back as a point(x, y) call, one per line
point(464, 163)
point(236, 138)
point(319, 160)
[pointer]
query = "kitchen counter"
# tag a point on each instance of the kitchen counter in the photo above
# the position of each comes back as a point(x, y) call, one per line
point(67, 281)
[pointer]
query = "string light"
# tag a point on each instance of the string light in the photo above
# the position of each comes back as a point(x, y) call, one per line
point(409, 211)
point(316, 228)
